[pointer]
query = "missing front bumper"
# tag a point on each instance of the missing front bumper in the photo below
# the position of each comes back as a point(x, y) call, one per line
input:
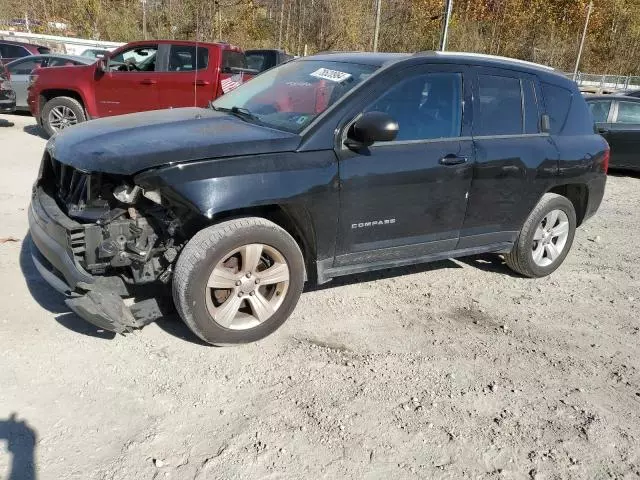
point(96, 299)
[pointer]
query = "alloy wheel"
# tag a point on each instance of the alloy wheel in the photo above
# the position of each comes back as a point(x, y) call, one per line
point(247, 286)
point(550, 238)
point(61, 117)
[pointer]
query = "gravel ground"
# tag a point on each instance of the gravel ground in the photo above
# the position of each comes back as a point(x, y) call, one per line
point(451, 370)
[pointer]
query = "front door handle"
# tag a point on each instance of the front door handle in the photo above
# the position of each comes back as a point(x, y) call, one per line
point(148, 81)
point(201, 83)
point(452, 160)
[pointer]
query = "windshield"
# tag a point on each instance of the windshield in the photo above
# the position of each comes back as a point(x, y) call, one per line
point(290, 96)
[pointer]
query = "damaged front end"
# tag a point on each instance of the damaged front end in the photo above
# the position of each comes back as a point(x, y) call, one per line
point(100, 239)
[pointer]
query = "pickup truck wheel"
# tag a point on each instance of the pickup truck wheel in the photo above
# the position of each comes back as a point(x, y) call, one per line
point(238, 281)
point(545, 238)
point(60, 113)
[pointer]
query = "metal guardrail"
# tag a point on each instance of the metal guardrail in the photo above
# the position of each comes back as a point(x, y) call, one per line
point(607, 82)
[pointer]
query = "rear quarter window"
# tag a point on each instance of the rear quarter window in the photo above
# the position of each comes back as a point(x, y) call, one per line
point(567, 110)
point(44, 50)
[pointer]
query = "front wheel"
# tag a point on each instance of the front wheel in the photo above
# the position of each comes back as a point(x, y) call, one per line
point(60, 113)
point(238, 281)
point(545, 238)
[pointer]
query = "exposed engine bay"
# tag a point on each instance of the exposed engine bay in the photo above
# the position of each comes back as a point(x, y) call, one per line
point(123, 230)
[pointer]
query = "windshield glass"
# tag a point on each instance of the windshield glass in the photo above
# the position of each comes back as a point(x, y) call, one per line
point(290, 96)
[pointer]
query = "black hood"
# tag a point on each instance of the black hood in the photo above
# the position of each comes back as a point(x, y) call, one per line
point(129, 144)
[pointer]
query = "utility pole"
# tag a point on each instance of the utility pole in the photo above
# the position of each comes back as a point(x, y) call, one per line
point(144, 19)
point(445, 28)
point(376, 32)
point(584, 36)
point(280, 30)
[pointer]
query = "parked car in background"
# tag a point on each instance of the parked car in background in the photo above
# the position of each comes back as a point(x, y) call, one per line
point(139, 76)
point(94, 53)
point(7, 94)
point(632, 93)
point(22, 68)
point(322, 167)
point(617, 119)
point(261, 60)
point(10, 50)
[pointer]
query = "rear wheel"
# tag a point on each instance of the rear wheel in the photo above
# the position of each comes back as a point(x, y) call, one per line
point(60, 113)
point(238, 281)
point(545, 238)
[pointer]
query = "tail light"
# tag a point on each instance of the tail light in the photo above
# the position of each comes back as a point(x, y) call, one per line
point(32, 79)
point(605, 160)
point(33, 76)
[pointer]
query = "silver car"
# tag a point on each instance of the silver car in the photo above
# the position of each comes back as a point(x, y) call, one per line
point(21, 69)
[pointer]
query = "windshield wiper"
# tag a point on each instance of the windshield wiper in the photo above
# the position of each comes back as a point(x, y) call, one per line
point(240, 112)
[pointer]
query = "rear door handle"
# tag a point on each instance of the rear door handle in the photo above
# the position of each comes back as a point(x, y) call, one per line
point(201, 83)
point(452, 160)
point(148, 81)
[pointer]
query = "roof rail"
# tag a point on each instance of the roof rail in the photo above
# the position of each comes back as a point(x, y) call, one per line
point(487, 56)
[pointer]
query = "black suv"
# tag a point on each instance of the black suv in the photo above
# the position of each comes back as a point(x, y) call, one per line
point(324, 166)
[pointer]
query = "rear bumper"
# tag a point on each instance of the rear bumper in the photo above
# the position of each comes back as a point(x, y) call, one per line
point(596, 188)
point(97, 300)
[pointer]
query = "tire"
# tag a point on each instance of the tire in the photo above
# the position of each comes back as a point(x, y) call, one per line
point(196, 301)
point(522, 258)
point(75, 108)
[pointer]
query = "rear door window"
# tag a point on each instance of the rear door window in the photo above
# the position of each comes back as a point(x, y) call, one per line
point(600, 110)
point(25, 67)
point(499, 109)
point(258, 61)
point(557, 102)
point(531, 111)
point(232, 59)
point(61, 62)
point(185, 58)
point(628, 112)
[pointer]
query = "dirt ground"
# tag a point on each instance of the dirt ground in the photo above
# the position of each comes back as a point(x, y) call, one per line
point(451, 370)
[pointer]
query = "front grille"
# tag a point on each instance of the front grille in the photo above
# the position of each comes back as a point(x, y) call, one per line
point(76, 239)
point(81, 195)
point(72, 186)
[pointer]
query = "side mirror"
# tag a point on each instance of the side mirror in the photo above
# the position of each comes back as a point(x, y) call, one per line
point(372, 127)
point(102, 64)
point(545, 124)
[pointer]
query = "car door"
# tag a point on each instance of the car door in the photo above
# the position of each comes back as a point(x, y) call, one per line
point(623, 134)
point(131, 81)
point(602, 111)
point(186, 83)
point(20, 71)
point(406, 199)
point(515, 161)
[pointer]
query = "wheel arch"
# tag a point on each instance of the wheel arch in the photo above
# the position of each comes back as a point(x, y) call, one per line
point(289, 218)
point(51, 93)
point(578, 195)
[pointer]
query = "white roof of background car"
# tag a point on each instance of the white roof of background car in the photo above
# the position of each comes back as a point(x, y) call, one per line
point(495, 57)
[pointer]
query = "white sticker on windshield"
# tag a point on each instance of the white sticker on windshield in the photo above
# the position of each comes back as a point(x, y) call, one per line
point(333, 75)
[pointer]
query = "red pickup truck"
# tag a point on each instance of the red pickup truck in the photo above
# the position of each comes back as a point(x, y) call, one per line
point(149, 75)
